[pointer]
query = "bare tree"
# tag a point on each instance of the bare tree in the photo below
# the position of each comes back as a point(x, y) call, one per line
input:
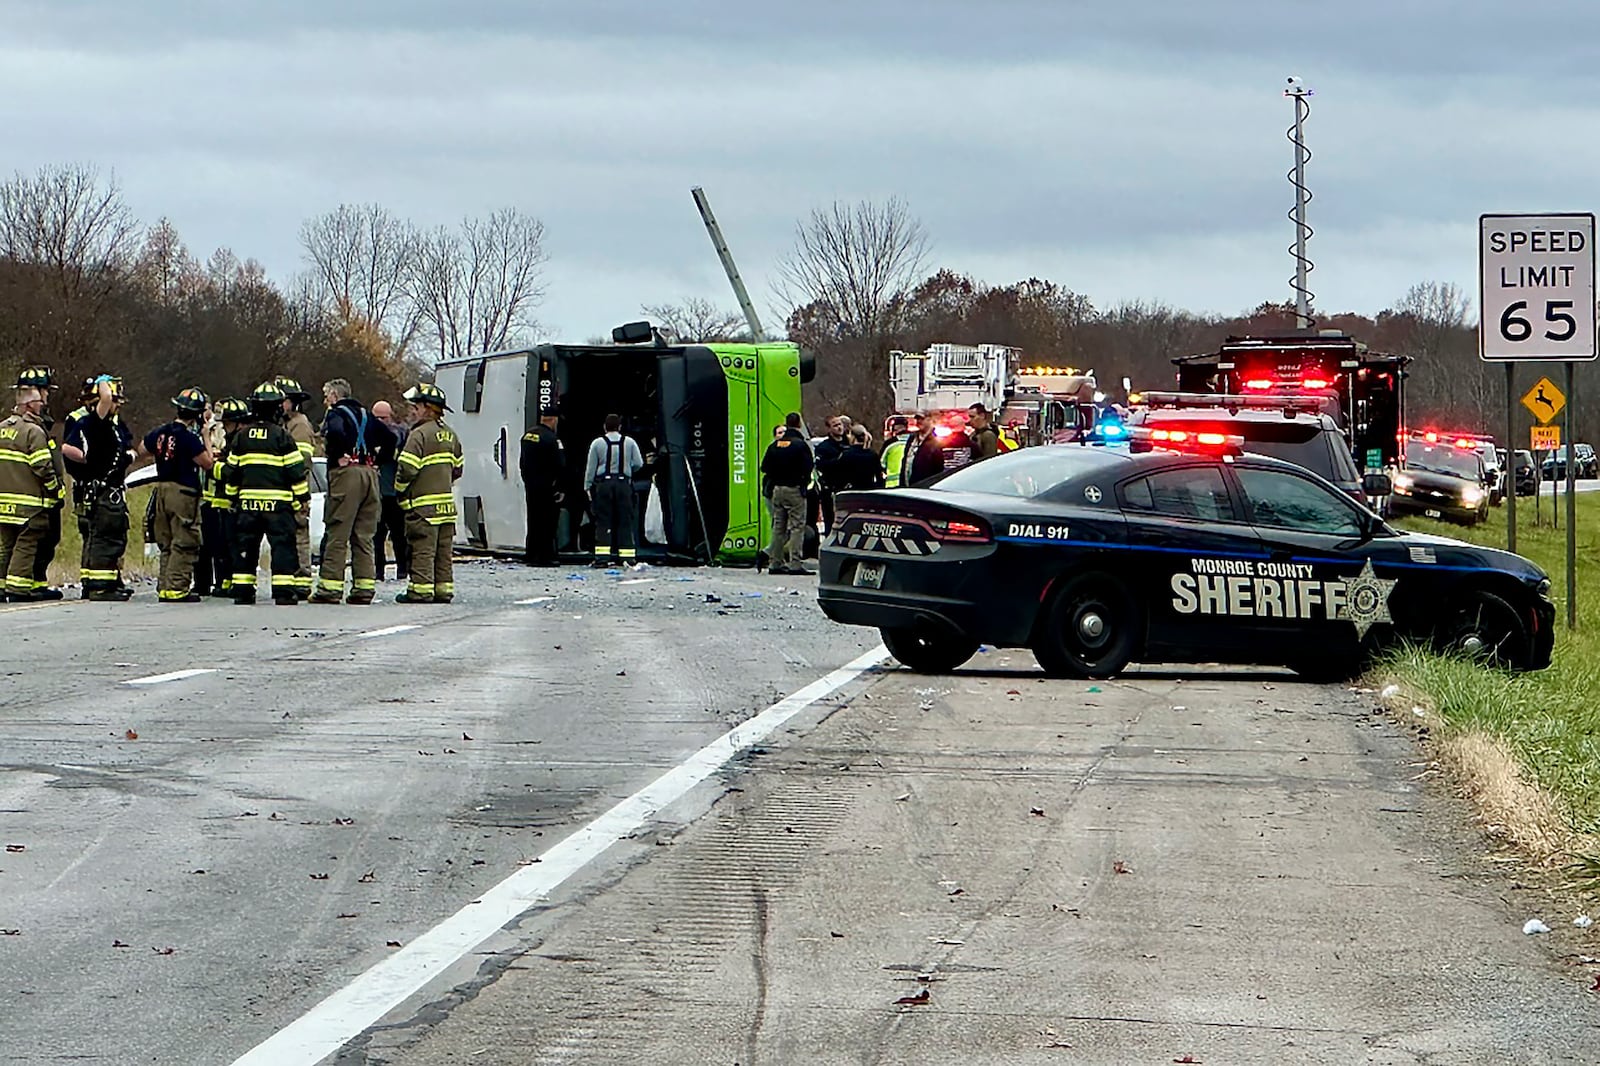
point(164, 267)
point(476, 289)
point(857, 261)
point(361, 260)
point(697, 320)
point(65, 220)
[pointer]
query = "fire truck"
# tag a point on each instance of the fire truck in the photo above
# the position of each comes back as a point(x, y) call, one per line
point(1368, 387)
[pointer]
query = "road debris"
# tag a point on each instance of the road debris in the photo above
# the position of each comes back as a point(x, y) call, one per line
point(920, 999)
point(1533, 927)
point(1583, 921)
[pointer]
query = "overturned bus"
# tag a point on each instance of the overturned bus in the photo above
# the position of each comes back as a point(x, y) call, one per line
point(701, 413)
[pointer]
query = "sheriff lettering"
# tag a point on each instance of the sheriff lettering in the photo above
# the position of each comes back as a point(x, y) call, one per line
point(1256, 588)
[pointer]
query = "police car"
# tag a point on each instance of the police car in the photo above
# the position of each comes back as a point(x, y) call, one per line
point(1095, 558)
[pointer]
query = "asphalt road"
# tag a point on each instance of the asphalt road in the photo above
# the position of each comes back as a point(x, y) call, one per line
point(1223, 866)
point(334, 784)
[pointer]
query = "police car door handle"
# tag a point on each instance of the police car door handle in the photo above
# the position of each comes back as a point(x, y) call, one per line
point(500, 452)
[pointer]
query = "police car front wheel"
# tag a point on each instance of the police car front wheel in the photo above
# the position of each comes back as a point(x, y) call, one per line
point(1483, 627)
point(929, 651)
point(1089, 630)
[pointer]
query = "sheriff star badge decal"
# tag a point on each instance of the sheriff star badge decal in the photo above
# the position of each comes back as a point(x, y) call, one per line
point(1366, 599)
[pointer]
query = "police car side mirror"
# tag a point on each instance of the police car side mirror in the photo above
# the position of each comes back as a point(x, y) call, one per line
point(1377, 485)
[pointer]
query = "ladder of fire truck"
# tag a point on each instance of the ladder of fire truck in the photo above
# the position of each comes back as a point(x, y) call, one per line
point(726, 256)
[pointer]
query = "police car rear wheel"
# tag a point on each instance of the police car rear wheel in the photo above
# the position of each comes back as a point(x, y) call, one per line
point(927, 651)
point(1090, 629)
point(1485, 628)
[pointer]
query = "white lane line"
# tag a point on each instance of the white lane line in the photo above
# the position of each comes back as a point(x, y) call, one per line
point(534, 600)
point(347, 1013)
point(176, 675)
point(388, 632)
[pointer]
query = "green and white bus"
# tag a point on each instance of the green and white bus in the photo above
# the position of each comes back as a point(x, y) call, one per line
point(703, 414)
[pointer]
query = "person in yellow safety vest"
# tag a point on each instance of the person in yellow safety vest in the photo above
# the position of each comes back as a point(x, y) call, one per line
point(894, 460)
point(29, 490)
point(216, 509)
point(425, 474)
point(299, 427)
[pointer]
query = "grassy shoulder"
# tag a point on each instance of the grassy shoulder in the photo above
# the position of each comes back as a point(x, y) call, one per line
point(1547, 722)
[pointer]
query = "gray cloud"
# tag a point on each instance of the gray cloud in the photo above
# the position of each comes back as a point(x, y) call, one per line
point(1127, 151)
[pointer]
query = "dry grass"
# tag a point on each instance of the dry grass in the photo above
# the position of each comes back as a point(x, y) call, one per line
point(1510, 807)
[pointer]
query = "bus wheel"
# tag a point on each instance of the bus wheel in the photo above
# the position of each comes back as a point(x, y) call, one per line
point(1090, 629)
point(928, 651)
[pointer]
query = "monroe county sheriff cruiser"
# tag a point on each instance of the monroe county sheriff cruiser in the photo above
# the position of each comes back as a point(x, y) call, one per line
point(1095, 558)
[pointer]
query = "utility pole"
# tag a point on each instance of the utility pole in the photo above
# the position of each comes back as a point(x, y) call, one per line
point(1300, 94)
point(726, 256)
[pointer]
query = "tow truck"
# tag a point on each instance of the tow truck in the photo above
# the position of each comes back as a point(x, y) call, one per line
point(1368, 387)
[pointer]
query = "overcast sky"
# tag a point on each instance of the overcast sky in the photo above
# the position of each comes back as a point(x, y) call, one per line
point(1127, 150)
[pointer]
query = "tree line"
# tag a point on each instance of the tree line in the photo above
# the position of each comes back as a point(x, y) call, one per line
point(86, 288)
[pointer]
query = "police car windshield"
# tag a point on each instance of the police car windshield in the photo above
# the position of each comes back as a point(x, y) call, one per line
point(1027, 473)
point(1442, 459)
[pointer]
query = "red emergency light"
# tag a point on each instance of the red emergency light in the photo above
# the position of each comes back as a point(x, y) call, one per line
point(1259, 383)
point(1315, 383)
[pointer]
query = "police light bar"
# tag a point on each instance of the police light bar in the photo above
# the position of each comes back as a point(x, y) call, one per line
point(1192, 441)
point(1289, 405)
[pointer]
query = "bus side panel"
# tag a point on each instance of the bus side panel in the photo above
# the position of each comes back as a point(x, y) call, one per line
point(489, 495)
point(779, 386)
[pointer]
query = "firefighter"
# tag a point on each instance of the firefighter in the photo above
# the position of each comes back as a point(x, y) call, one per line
point(40, 378)
point(608, 480)
point(216, 510)
point(428, 467)
point(542, 464)
point(355, 443)
point(298, 427)
point(106, 449)
point(29, 490)
point(181, 455)
point(266, 482)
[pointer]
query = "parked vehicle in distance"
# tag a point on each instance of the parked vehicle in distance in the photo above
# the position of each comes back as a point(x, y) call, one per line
point(1442, 481)
point(1525, 473)
point(1587, 463)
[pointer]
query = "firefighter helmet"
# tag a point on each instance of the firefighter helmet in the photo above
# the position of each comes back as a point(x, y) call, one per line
point(190, 401)
point(428, 393)
point(35, 377)
point(291, 389)
point(266, 401)
point(232, 409)
point(92, 388)
point(89, 390)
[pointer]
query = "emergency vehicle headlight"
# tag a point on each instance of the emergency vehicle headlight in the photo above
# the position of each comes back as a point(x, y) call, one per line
point(1471, 495)
point(1402, 482)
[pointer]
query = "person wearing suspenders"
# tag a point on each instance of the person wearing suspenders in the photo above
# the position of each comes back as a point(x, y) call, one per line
point(608, 479)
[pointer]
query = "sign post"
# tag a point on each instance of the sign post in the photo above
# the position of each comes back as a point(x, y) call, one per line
point(1536, 297)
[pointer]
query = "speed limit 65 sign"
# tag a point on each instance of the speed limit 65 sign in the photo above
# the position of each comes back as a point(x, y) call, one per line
point(1537, 294)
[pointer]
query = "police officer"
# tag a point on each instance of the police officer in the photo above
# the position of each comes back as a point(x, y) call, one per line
point(40, 377)
point(181, 455)
point(299, 428)
point(787, 467)
point(543, 465)
point(429, 465)
point(265, 479)
point(216, 510)
point(29, 490)
point(354, 443)
point(608, 480)
point(106, 445)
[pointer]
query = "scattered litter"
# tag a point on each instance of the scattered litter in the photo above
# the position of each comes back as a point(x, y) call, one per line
point(913, 1001)
point(484, 807)
point(984, 649)
point(947, 941)
point(902, 798)
point(1013, 692)
point(16, 849)
point(1419, 712)
point(754, 595)
point(164, 951)
point(1534, 926)
point(1583, 921)
point(1094, 688)
point(836, 936)
point(622, 673)
point(120, 944)
point(713, 598)
point(1037, 812)
point(1121, 867)
point(130, 735)
point(1389, 692)
point(1180, 707)
point(392, 944)
point(577, 577)
point(640, 568)
point(685, 578)
point(613, 573)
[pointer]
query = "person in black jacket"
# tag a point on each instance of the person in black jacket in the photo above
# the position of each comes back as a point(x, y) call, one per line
point(542, 464)
point(927, 452)
point(355, 443)
point(787, 468)
point(829, 449)
point(857, 468)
